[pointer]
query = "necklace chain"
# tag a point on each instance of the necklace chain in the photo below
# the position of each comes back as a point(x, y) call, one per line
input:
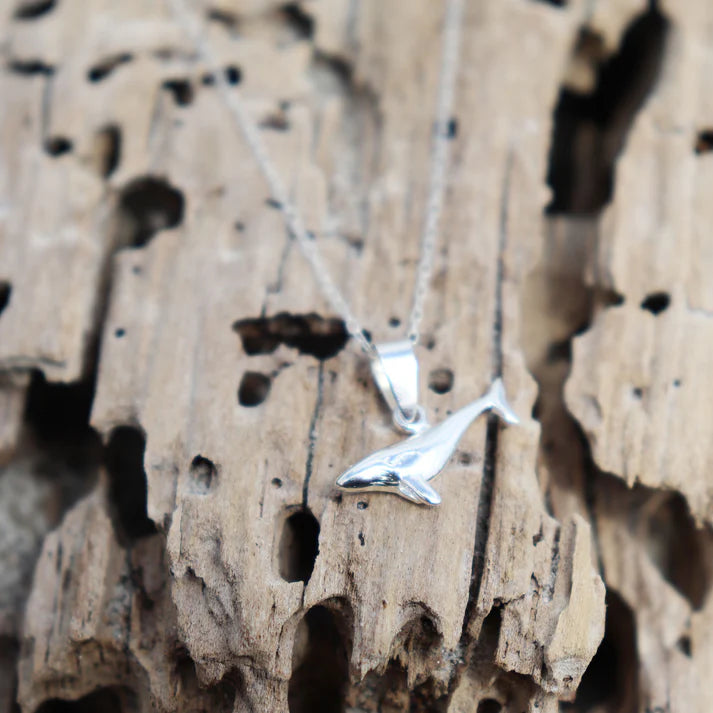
point(292, 217)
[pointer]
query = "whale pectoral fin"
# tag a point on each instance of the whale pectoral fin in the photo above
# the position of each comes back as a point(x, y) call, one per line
point(418, 491)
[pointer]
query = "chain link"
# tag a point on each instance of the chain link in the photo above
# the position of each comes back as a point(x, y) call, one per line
point(279, 193)
point(439, 162)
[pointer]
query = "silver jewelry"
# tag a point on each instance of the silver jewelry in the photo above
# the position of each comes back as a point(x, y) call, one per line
point(406, 467)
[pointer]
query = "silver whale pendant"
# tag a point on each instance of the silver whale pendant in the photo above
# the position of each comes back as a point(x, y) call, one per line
point(405, 468)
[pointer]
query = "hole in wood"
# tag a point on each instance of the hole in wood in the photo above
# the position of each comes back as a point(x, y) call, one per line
point(656, 302)
point(420, 633)
point(106, 150)
point(320, 663)
point(56, 423)
point(233, 74)
point(103, 69)
point(593, 116)
point(5, 292)
point(124, 458)
point(32, 9)
point(489, 705)
point(114, 699)
point(254, 388)
point(301, 23)
point(704, 142)
point(440, 381)
point(57, 145)
point(222, 697)
point(181, 91)
point(299, 546)
point(684, 646)
point(611, 679)
point(311, 334)
point(203, 475)
point(30, 67)
point(228, 19)
point(560, 350)
point(59, 413)
point(146, 206)
point(678, 549)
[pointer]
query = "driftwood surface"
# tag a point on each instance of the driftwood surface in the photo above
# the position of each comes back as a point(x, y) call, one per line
point(177, 399)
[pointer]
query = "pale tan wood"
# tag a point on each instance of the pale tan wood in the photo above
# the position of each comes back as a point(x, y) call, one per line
point(12, 405)
point(654, 545)
point(644, 406)
point(496, 595)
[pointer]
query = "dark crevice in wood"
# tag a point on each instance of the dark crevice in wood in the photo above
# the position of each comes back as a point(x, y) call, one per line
point(228, 19)
point(222, 697)
point(233, 74)
point(590, 128)
point(677, 547)
point(487, 484)
point(312, 435)
point(320, 665)
point(339, 69)
point(301, 22)
point(34, 9)
point(107, 150)
point(124, 458)
point(610, 681)
point(485, 504)
point(30, 67)
point(5, 293)
point(181, 90)
point(656, 302)
point(148, 205)
point(203, 475)
point(387, 691)
point(67, 449)
point(704, 142)
point(489, 705)
point(58, 412)
point(57, 145)
point(113, 699)
point(106, 66)
point(311, 334)
point(299, 546)
point(254, 388)
point(440, 381)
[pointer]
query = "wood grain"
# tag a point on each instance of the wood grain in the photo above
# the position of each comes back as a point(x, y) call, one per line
point(212, 564)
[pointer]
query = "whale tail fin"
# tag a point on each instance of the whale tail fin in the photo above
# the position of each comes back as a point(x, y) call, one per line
point(498, 402)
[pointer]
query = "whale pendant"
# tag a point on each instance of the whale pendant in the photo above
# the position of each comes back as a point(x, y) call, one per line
point(406, 467)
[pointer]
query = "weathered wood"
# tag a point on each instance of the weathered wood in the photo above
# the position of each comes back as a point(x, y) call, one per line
point(213, 565)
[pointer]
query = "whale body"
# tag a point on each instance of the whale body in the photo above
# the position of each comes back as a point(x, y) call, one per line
point(406, 467)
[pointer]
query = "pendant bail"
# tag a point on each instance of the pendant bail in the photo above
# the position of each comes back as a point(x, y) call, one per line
point(395, 370)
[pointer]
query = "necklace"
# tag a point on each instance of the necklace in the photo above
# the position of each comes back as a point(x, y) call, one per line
point(406, 467)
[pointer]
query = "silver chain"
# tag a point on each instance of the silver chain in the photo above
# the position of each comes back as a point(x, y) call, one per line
point(279, 193)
